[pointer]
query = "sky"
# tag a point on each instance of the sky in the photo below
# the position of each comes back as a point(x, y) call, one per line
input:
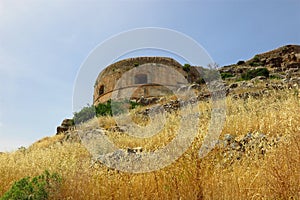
point(44, 43)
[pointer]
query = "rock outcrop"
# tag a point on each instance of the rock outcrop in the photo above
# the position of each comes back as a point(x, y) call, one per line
point(283, 61)
point(66, 125)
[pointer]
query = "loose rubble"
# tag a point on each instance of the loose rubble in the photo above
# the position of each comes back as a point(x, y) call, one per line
point(256, 143)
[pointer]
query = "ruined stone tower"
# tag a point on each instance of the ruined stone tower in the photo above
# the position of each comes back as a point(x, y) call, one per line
point(146, 76)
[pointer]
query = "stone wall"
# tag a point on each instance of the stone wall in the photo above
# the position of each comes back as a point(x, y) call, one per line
point(136, 77)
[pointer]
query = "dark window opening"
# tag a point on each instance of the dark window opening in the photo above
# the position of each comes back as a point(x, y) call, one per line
point(101, 90)
point(140, 79)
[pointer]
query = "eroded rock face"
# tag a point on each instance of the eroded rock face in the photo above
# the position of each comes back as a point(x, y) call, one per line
point(148, 101)
point(258, 78)
point(279, 60)
point(61, 129)
point(135, 150)
point(233, 85)
point(66, 125)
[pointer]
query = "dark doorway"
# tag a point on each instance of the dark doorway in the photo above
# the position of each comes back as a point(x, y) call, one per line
point(101, 90)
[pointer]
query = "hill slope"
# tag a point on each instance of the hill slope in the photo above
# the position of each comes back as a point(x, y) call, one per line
point(256, 157)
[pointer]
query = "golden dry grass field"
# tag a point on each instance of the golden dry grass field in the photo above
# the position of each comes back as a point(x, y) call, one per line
point(274, 175)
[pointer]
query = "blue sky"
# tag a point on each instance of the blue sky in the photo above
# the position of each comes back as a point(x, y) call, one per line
point(44, 43)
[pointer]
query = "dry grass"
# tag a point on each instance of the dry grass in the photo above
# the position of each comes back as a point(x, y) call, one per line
point(275, 176)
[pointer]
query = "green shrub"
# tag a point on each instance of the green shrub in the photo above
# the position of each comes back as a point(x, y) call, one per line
point(103, 109)
point(239, 79)
point(225, 75)
point(38, 188)
point(120, 107)
point(274, 76)
point(200, 81)
point(134, 105)
point(255, 62)
point(254, 73)
point(240, 62)
point(84, 114)
point(186, 67)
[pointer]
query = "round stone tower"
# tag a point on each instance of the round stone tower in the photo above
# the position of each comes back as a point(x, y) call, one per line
point(147, 76)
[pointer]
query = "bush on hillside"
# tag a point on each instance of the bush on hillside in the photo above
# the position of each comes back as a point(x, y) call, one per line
point(37, 188)
point(84, 114)
point(254, 73)
point(255, 62)
point(186, 67)
point(240, 62)
point(200, 81)
point(102, 109)
point(274, 76)
point(225, 75)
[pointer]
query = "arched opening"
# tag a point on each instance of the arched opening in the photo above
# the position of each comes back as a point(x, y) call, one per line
point(140, 79)
point(101, 90)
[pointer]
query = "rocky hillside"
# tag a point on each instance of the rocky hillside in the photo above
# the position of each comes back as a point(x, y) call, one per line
point(278, 69)
point(283, 62)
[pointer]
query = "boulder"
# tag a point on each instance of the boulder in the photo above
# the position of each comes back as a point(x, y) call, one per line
point(258, 78)
point(233, 85)
point(61, 129)
point(135, 150)
point(117, 129)
point(147, 101)
point(293, 65)
point(65, 126)
point(68, 122)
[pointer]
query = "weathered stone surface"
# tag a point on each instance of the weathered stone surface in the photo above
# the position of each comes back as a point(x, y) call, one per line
point(135, 150)
point(274, 62)
point(256, 143)
point(61, 129)
point(66, 125)
point(233, 85)
point(148, 101)
point(258, 78)
point(278, 61)
point(68, 122)
point(141, 79)
point(295, 65)
point(246, 84)
point(117, 129)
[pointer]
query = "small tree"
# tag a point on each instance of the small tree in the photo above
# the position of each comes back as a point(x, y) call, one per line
point(186, 67)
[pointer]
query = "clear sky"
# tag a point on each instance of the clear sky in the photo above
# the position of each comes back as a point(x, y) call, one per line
point(43, 44)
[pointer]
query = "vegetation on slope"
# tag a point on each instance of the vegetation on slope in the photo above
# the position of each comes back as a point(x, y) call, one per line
point(276, 175)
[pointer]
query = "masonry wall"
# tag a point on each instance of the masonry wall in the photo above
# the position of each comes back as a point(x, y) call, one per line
point(119, 79)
